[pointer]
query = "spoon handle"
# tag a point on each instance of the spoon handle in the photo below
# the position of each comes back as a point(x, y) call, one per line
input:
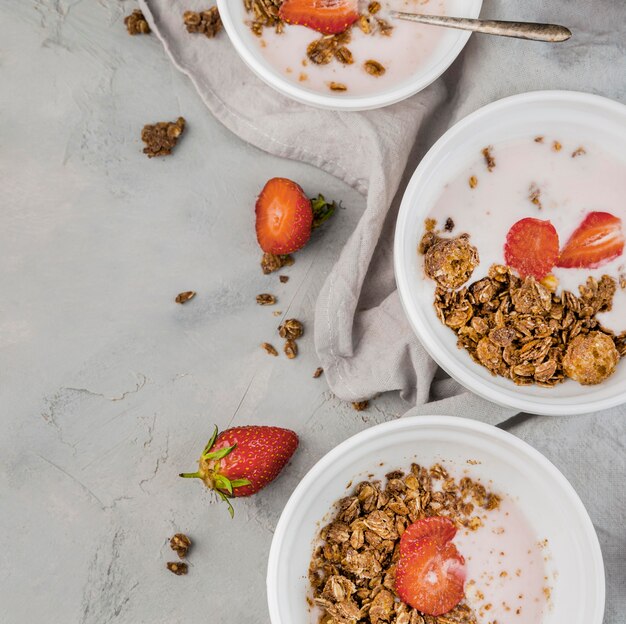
point(522, 30)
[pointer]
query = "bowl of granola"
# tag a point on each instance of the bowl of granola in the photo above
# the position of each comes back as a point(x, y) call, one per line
point(509, 252)
point(344, 54)
point(435, 520)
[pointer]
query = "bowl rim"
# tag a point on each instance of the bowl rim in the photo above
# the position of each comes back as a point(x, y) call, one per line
point(508, 397)
point(498, 436)
point(344, 102)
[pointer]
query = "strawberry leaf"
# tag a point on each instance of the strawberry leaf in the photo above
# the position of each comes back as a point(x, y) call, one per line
point(240, 483)
point(210, 443)
point(223, 496)
point(223, 483)
point(221, 453)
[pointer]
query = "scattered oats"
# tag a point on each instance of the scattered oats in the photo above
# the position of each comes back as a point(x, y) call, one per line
point(291, 349)
point(136, 23)
point(384, 27)
point(283, 279)
point(271, 262)
point(473, 182)
point(206, 22)
point(579, 152)
point(265, 299)
point(359, 406)
point(318, 372)
point(180, 544)
point(373, 7)
point(291, 329)
point(365, 24)
point(374, 68)
point(178, 568)
point(183, 297)
point(556, 146)
point(490, 161)
point(269, 349)
point(343, 55)
point(449, 225)
point(539, 139)
point(161, 138)
point(337, 86)
point(534, 195)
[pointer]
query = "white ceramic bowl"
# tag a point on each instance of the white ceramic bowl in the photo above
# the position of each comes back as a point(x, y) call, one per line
point(548, 500)
point(592, 119)
point(234, 18)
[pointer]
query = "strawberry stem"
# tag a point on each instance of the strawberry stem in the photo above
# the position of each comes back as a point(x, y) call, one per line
point(322, 210)
point(191, 475)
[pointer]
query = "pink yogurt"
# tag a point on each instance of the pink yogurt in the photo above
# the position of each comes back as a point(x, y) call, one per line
point(506, 577)
point(569, 187)
point(402, 54)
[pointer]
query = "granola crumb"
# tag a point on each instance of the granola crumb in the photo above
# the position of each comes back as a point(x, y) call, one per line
point(277, 312)
point(265, 299)
point(384, 27)
point(208, 22)
point(283, 279)
point(490, 161)
point(449, 225)
point(374, 68)
point(183, 297)
point(291, 329)
point(178, 568)
point(271, 262)
point(337, 86)
point(534, 195)
point(303, 77)
point(556, 146)
point(269, 349)
point(373, 7)
point(136, 23)
point(291, 348)
point(539, 139)
point(161, 138)
point(180, 544)
point(473, 182)
point(360, 406)
point(318, 372)
point(579, 151)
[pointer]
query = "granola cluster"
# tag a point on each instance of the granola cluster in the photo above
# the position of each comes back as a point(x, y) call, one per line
point(352, 572)
point(206, 22)
point(522, 330)
point(136, 23)
point(264, 15)
point(161, 138)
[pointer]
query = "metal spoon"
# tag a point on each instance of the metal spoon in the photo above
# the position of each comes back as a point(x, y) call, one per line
point(522, 30)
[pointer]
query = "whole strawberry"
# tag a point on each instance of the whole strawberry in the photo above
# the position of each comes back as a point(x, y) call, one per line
point(243, 460)
point(285, 216)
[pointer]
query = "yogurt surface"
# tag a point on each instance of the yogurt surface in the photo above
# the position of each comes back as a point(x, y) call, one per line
point(569, 180)
point(402, 53)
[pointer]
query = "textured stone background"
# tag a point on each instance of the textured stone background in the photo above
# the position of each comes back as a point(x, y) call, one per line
point(108, 389)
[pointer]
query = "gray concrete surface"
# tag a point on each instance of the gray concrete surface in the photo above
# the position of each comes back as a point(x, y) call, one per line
point(108, 389)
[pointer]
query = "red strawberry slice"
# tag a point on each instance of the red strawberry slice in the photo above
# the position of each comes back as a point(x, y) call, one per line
point(436, 529)
point(284, 217)
point(532, 247)
point(431, 578)
point(326, 16)
point(596, 241)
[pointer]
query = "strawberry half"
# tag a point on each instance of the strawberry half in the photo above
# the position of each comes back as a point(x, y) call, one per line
point(431, 578)
point(285, 216)
point(243, 460)
point(436, 529)
point(326, 16)
point(532, 247)
point(596, 241)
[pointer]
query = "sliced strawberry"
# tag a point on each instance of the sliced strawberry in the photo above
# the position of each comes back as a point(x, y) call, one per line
point(532, 247)
point(596, 241)
point(431, 578)
point(437, 529)
point(284, 217)
point(326, 16)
